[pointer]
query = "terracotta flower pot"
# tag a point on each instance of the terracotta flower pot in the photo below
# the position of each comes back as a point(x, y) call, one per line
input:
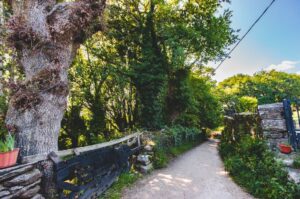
point(8, 159)
point(285, 148)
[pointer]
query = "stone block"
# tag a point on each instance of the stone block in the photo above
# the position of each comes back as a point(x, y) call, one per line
point(24, 179)
point(144, 159)
point(272, 143)
point(148, 148)
point(2, 188)
point(21, 191)
point(145, 168)
point(16, 172)
point(270, 106)
point(4, 193)
point(30, 192)
point(38, 196)
point(294, 174)
point(267, 134)
point(274, 134)
point(271, 111)
point(16, 188)
point(274, 125)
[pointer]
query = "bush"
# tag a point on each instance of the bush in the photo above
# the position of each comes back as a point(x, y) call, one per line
point(247, 104)
point(160, 159)
point(174, 141)
point(296, 163)
point(254, 167)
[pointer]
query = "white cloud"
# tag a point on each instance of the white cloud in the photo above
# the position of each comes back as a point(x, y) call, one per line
point(283, 66)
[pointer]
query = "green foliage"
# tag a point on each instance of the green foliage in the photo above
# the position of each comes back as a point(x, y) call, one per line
point(178, 150)
point(195, 103)
point(238, 92)
point(182, 134)
point(174, 141)
point(73, 129)
point(161, 40)
point(254, 167)
point(161, 158)
point(240, 125)
point(251, 164)
point(140, 71)
point(8, 144)
point(207, 105)
point(102, 99)
point(3, 109)
point(125, 180)
point(247, 104)
point(296, 163)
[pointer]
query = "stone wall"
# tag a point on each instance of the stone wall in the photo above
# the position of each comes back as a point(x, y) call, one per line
point(144, 160)
point(36, 180)
point(239, 125)
point(21, 182)
point(273, 124)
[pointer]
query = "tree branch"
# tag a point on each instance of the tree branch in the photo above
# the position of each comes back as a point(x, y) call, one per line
point(76, 20)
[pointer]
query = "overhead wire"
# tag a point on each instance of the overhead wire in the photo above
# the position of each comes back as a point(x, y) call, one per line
point(243, 37)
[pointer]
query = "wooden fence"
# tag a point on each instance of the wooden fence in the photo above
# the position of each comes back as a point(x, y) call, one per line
point(130, 139)
point(86, 172)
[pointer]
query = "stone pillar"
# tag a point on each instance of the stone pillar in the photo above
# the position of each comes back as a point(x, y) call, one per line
point(144, 163)
point(273, 124)
point(48, 184)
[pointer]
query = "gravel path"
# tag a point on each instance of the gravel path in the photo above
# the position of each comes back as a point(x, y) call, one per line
point(198, 174)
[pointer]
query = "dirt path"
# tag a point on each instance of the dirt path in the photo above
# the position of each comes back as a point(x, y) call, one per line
point(198, 174)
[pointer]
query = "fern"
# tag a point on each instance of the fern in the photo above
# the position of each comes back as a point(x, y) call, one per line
point(8, 144)
point(3, 147)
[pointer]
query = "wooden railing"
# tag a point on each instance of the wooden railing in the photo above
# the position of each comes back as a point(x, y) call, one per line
point(130, 139)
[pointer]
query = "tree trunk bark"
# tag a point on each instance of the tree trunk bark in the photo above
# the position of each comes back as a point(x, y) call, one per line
point(46, 36)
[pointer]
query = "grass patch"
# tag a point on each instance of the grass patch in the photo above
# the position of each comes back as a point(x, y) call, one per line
point(296, 163)
point(125, 180)
point(176, 151)
point(164, 155)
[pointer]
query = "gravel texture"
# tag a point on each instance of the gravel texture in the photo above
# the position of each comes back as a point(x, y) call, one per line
point(197, 174)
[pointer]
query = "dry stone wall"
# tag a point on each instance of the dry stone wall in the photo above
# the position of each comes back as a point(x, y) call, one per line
point(144, 160)
point(38, 179)
point(22, 182)
point(273, 124)
point(239, 125)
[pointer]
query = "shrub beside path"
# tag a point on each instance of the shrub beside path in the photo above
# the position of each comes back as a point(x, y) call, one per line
point(197, 174)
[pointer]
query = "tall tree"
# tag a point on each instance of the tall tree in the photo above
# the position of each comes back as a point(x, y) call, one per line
point(46, 35)
point(163, 41)
point(263, 87)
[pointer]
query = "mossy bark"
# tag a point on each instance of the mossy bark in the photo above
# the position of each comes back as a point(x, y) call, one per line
point(46, 36)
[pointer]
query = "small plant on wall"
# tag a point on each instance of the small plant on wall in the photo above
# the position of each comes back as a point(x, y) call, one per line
point(8, 152)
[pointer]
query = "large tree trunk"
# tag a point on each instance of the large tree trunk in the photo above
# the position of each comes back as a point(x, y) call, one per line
point(46, 36)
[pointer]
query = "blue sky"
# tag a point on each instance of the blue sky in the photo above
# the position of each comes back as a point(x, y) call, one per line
point(274, 43)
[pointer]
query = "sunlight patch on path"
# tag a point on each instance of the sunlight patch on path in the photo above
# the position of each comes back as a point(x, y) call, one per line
point(198, 174)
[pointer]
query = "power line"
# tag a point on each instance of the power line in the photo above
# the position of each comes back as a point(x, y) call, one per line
point(240, 40)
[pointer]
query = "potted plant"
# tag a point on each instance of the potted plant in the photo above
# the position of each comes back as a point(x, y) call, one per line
point(285, 148)
point(8, 152)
